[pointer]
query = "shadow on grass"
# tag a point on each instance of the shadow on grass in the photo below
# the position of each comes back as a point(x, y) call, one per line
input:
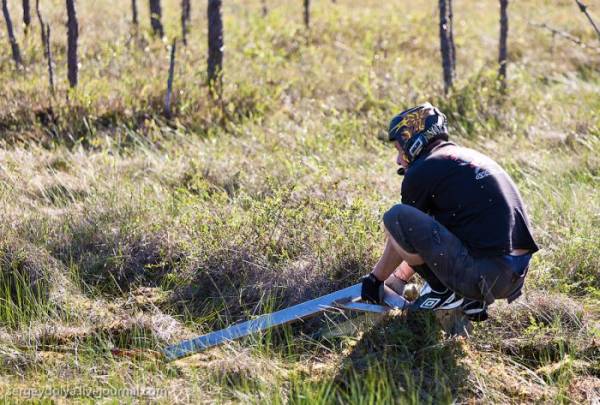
point(112, 262)
point(398, 360)
point(78, 122)
point(402, 359)
point(234, 285)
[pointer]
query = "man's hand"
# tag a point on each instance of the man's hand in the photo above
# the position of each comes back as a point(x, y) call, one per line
point(372, 289)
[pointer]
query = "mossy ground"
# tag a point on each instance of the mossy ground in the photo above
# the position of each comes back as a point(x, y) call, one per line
point(123, 230)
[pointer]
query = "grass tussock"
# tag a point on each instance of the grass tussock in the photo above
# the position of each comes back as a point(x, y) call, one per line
point(29, 279)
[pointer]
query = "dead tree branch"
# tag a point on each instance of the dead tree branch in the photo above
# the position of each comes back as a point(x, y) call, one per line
point(583, 9)
point(564, 35)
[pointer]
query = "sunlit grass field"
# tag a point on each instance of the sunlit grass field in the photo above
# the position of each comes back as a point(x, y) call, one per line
point(124, 231)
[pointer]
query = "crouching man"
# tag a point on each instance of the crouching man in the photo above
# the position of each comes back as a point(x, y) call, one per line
point(461, 226)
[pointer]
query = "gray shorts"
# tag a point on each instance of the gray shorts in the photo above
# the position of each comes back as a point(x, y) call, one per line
point(481, 279)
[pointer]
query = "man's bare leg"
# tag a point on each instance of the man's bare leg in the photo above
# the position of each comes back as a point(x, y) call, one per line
point(404, 272)
point(400, 278)
point(393, 256)
point(412, 259)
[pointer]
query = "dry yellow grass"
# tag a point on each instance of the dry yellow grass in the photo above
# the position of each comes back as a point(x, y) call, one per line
point(147, 230)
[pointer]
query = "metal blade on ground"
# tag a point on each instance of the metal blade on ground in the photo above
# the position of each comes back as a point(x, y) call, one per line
point(281, 317)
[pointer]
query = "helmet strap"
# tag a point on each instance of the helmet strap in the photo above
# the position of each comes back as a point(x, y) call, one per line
point(415, 145)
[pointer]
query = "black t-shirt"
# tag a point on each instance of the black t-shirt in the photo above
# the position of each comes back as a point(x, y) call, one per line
point(472, 196)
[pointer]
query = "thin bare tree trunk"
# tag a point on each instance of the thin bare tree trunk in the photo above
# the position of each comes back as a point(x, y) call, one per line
point(155, 18)
point(134, 13)
point(184, 31)
point(186, 8)
point(26, 15)
point(307, 13)
point(16, 51)
point(446, 46)
point(185, 19)
point(42, 25)
point(215, 40)
point(170, 80)
point(50, 62)
point(451, 35)
point(72, 36)
point(502, 49)
point(265, 10)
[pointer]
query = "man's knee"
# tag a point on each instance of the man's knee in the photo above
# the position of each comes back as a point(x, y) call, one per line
point(395, 221)
point(398, 215)
point(412, 259)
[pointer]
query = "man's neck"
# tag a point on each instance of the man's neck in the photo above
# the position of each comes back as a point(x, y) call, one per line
point(429, 148)
point(433, 145)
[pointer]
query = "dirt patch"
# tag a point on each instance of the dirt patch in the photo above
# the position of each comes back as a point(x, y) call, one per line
point(123, 331)
point(585, 390)
point(493, 378)
point(140, 331)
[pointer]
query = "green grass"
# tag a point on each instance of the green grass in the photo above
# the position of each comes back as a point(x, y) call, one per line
point(126, 230)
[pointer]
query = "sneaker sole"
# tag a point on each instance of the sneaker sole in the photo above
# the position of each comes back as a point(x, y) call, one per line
point(430, 304)
point(450, 305)
point(473, 311)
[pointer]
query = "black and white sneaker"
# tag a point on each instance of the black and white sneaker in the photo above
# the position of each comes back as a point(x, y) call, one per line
point(432, 300)
point(475, 311)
